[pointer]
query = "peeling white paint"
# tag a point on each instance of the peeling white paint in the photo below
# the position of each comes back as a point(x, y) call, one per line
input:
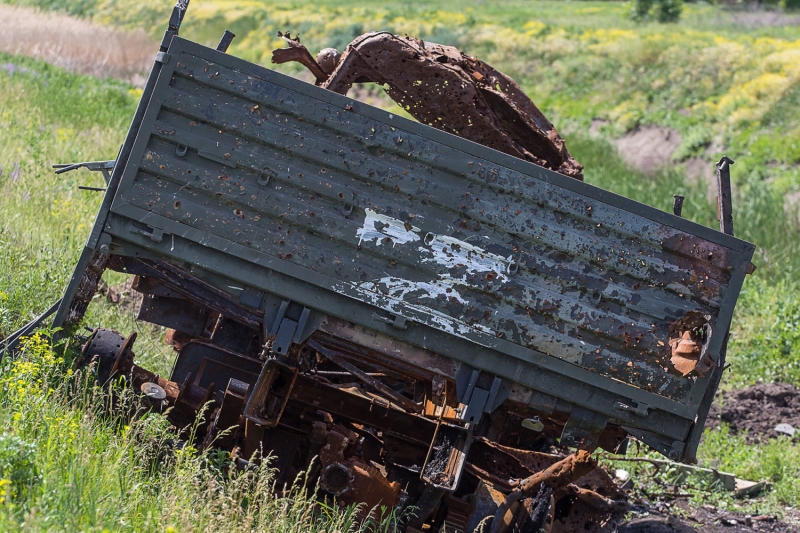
point(378, 227)
point(373, 293)
point(399, 288)
point(388, 292)
point(451, 253)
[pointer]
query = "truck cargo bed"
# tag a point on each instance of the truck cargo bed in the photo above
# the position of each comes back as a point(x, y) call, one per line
point(423, 247)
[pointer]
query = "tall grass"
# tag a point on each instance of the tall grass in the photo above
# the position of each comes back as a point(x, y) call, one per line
point(77, 45)
point(74, 463)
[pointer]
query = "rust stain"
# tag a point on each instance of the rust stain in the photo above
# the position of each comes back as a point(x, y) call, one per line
point(687, 337)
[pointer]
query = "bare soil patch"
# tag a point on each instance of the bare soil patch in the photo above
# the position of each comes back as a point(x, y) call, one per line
point(77, 45)
point(649, 148)
point(758, 409)
point(705, 520)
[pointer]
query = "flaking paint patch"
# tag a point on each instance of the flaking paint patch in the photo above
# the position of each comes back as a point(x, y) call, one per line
point(400, 288)
point(378, 228)
point(370, 292)
point(445, 251)
point(453, 253)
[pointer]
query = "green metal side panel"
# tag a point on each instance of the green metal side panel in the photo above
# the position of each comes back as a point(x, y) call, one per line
point(282, 187)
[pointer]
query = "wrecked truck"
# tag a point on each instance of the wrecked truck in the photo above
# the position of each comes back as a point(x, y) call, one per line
point(411, 317)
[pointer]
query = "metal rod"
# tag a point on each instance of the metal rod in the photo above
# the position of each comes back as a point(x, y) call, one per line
point(225, 42)
point(724, 199)
point(394, 396)
point(677, 205)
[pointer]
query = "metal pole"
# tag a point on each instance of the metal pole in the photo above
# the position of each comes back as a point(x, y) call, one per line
point(225, 42)
point(677, 205)
point(724, 199)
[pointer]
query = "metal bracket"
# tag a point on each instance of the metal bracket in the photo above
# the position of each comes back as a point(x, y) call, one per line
point(674, 450)
point(95, 166)
point(256, 409)
point(287, 331)
point(476, 400)
point(163, 58)
point(155, 234)
point(396, 321)
point(104, 243)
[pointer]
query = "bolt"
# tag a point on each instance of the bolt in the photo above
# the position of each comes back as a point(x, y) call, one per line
point(674, 455)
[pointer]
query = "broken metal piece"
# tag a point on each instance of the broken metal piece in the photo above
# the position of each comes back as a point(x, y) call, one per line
point(299, 53)
point(557, 476)
point(444, 88)
point(96, 166)
point(689, 338)
point(685, 353)
point(8, 345)
point(374, 383)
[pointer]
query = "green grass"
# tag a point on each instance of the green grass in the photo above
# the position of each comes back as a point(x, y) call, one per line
point(73, 464)
point(49, 116)
point(664, 75)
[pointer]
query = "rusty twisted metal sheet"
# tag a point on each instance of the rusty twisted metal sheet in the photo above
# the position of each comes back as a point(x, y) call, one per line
point(553, 284)
point(444, 88)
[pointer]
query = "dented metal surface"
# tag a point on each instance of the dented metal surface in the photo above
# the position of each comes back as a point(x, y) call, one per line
point(265, 185)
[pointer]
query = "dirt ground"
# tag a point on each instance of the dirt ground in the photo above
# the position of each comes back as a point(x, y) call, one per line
point(755, 411)
point(679, 516)
point(706, 520)
point(758, 409)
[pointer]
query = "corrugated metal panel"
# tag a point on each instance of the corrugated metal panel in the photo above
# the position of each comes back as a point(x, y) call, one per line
point(420, 223)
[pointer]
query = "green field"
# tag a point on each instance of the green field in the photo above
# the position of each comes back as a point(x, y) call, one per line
point(725, 84)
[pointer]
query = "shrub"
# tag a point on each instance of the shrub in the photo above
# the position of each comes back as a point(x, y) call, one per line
point(669, 10)
point(660, 10)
